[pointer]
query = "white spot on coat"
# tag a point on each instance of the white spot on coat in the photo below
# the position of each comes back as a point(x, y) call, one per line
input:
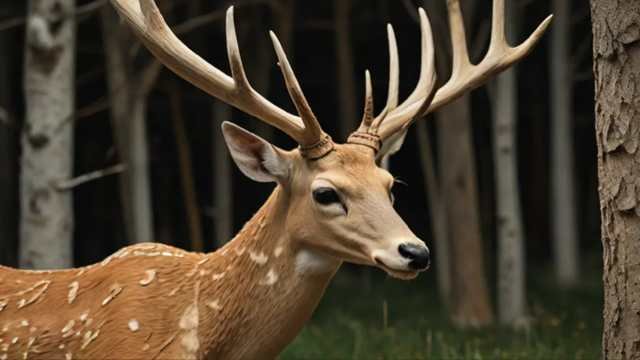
point(214, 305)
point(68, 356)
point(270, 279)
point(41, 287)
point(259, 258)
point(89, 336)
point(189, 323)
point(73, 291)
point(278, 251)
point(216, 277)
point(69, 326)
point(134, 325)
point(113, 292)
point(150, 275)
point(84, 316)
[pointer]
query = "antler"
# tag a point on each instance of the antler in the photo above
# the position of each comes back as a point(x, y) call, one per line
point(393, 121)
point(147, 21)
point(373, 131)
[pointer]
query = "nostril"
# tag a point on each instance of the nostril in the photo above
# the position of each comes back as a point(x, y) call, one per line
point(406, 251)
point(419, 255)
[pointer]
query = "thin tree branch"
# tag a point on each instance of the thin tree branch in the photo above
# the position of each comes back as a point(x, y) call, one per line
point(65, 185)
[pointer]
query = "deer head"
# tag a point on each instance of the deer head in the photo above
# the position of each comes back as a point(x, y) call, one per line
point(339, 199)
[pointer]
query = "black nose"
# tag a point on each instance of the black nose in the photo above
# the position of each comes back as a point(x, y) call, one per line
point(419, 255)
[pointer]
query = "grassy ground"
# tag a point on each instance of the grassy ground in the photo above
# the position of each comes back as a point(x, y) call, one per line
point(350, 324)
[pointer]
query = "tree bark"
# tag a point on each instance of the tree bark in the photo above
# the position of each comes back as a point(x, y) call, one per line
point(223, 191)
point(437, 211)
point(511, 248)
point(346, 87)
point(46, 226)
point(616, 55)
point(189, 194)
point(128, 97)
point(469, 293)
point(563, 205)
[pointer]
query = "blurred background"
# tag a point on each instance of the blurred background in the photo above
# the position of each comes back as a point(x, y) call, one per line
point(101, 147)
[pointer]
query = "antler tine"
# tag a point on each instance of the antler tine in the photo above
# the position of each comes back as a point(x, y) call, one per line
point(465, 76)
point(461, 62)
point(422, 95)
point(367, 117)
point(312, 131)
point(233, 52)
point(499, 57)
point(147, 21)
point(394, 78)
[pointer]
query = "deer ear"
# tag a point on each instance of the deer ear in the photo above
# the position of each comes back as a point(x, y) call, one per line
point(391, 145)
point(256, 157)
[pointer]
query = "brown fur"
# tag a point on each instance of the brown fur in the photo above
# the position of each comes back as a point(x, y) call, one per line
point(247, 300)
point(246, 307)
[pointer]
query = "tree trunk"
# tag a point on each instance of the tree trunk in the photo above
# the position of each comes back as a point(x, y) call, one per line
point(470, 304)
point(437, 211)
point(223, 191)
point(46, 226)
point(346, 88)
point(563, 211)
point(186, 173)
point(128, 96)
point(511, 249)
point(563, 205)
point(511, 260)
point(616, 55)
point(8, 155)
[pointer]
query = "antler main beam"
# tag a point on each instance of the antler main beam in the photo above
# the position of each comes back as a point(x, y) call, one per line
point(147, 21)
point(465, 76)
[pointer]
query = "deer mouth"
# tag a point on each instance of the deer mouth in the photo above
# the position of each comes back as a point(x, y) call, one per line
point(396, 273)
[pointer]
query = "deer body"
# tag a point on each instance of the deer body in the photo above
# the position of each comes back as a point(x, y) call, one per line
point(248, 300)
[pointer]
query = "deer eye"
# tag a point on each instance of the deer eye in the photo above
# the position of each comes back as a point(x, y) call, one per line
point(326, 196)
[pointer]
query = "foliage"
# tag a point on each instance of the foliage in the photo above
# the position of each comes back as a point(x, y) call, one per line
point(349, 324)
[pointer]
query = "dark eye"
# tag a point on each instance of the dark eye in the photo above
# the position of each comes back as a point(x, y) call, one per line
point(326, 196)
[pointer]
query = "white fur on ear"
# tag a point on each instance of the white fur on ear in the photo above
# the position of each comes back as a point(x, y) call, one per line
point(392, 145)
point(257, 158)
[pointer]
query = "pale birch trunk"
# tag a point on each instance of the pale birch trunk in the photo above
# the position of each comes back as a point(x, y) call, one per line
point(46, 224)
point(128, 97)
point(511, 251)
point(562, 202)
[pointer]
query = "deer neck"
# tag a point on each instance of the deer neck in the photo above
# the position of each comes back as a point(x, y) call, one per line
point(261, 288)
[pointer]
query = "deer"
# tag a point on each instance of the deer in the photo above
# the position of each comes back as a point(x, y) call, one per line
point(249, 299)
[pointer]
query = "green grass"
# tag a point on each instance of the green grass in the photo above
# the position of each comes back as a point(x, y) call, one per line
point(350, 324)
